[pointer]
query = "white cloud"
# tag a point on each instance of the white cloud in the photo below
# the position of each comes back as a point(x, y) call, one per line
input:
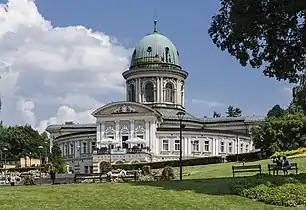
point(207, 103)
point(54, 74)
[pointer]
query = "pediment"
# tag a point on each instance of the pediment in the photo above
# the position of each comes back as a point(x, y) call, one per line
point(123, 108)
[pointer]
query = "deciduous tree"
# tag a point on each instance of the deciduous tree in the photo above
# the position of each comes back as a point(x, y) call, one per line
point(263, 33)
point(276, 111)
point(282, 133)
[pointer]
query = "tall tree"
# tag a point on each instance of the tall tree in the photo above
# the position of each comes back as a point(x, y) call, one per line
point(263, 33)
point(233, 112)
point(299, 93)
point(276, 111)
point(56, 159)
point(216, 114)
point(280, 134)
point(20, 141)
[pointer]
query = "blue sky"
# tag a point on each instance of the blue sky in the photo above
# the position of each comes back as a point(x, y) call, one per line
point(214, 75)
point(215, 80)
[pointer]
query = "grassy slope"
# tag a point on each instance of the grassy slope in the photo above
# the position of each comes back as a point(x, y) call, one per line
point(205, 188)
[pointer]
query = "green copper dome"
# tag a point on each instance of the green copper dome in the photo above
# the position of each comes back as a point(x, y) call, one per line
point(155, 50)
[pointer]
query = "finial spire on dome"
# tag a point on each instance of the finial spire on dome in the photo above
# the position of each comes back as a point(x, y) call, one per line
point(155, 21)
point(155, 27)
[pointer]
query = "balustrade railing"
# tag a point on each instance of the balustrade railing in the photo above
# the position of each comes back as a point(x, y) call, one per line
point(126, 151)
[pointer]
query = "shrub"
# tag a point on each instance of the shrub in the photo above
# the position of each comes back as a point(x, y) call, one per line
point(23, 169)
point(251, 156)
point(29, 180)
point(173, 163)
point(106, 167)
point(146, 170)
point(167, 173)
point(275, 190)
point(289, 153)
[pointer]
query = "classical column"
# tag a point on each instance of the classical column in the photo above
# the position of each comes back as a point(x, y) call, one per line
point(139, 91)
point(186, 142)
point(152, 135)
point(162, 89)
point(177, 92)
point(117, 137)
point(132, 125)
point(158, 89)
point(102, 130)
point(98, 132)
point(217, 147)
point(147, 130)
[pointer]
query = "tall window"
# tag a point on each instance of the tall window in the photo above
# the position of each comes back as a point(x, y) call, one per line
point(177, 145)
point(230, 147)
point(71, 149)
point(241, 148)
point(169, 92)
point(247, 148)
point(149, 92)
point(84, 147)
point(165, 145)
point(206, 146)
point(131, 93)
point(93, 146)
point(66, 149)
point(222, 147)
point(195, 146)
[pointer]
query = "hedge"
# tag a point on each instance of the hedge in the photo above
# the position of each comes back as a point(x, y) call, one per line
point(22, 169)
point(251, 156)
point(172, 163)
point(275, 190)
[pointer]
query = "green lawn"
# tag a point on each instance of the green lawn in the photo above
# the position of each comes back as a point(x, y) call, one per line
point(205, 188)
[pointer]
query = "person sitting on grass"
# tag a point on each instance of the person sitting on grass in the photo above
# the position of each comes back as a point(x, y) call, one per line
point(287, 165)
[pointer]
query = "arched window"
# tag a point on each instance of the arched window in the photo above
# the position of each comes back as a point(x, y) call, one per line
point(149, 92)
point(169, 93)
point(131, 92)
point(182, 94)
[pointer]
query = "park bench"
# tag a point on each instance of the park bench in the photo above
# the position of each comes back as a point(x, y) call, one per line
point(272, 167)
point(131, 175)
point(93, 176)
point(246, 169)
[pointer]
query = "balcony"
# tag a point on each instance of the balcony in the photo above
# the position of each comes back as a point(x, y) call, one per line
point(134, 150)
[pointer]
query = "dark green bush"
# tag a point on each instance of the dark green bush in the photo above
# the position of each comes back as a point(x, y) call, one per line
point(24, 169)
point(106, 167)
point(167, 173)
point(275, 190)
point(173, 163)
point(146, 170)
point(29, 180)
point(251, 156)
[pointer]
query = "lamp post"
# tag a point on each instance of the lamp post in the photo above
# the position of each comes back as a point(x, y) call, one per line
point(46, 155)
point(5, 173)
point(78, 158)
point(40, 150)
point(30, 154)
point(110, 153)
point(237, 153)
point(180, 116)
